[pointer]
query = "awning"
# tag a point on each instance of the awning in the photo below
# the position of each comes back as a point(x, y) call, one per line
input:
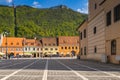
point(27, 53)
point(2, 53)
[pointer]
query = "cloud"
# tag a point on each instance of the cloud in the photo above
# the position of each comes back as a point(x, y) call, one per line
point(36, 4)
point(83, 10)
point(9, 1)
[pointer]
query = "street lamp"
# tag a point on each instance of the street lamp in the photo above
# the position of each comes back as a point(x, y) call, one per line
point(6, 34)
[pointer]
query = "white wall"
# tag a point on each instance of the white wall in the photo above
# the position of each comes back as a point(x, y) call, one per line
point(1, 39)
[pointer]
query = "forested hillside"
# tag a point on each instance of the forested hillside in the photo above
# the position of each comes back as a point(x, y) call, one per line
point(55, 21)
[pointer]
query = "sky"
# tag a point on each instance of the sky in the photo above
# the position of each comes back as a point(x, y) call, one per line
point(77, 5)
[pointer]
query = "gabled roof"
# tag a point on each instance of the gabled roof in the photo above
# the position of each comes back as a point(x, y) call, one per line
point(32, 42)
point(68, 40)
point(49, 41)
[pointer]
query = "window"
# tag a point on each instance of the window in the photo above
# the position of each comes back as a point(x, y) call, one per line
point(11, 43)
point(94, 30)
point(85, 33)
point(81, 35)
point(49, 44)
point(61, 47)
point(46, 48)
point(12, 49)
point(69, 48)
point(84, 50)
point(64, 41)
point(17, 49)
point(37, 49)
point(117, 13)
point(76, 47)
point(45, 44)
point(95, 49)
point(33, 49)
point(32, 43)
point(72, 47)
point(113, 47)
point(6, 43)
point(56, 49)
point(95, 6)
point(26, 49)
point(51, 49)
point(77, 41)
point(65, 47)
point(81, 51)
point(17, 43)
point(108, 18)
point(53, 44)
point(38, 44)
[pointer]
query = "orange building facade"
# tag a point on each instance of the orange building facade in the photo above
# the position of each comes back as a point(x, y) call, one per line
point(12, 45)
point(68, 45)
point(63, 46)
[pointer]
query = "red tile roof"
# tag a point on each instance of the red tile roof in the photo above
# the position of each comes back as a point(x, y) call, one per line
point(68, 40)
point(32, 42)
point(49, 41)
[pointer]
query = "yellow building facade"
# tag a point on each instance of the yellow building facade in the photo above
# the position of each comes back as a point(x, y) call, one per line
point(50, 46)
point(83, 30)
point(103, 31)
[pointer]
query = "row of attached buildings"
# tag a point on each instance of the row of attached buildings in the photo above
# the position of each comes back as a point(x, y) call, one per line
point(100, 33)
point(62, 46)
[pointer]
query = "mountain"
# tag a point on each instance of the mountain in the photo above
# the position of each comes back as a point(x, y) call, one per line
point(59, 6)
point(48, 22)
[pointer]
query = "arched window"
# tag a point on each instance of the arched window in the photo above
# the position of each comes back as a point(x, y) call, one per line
point(113, 47)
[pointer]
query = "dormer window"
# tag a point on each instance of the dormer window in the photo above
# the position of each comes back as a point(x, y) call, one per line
point(17, 43)
point(11, 43)
point(64, 41)
point(5, 43)
point(32, 43)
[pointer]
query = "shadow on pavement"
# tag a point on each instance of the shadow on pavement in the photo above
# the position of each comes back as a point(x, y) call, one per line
point(54, 64)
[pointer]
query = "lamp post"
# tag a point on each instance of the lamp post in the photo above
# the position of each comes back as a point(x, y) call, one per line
point(6, 34)
point(23, 45)
point(15, 19)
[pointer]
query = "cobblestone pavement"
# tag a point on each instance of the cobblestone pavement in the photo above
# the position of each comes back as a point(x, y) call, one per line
point(57, 69)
